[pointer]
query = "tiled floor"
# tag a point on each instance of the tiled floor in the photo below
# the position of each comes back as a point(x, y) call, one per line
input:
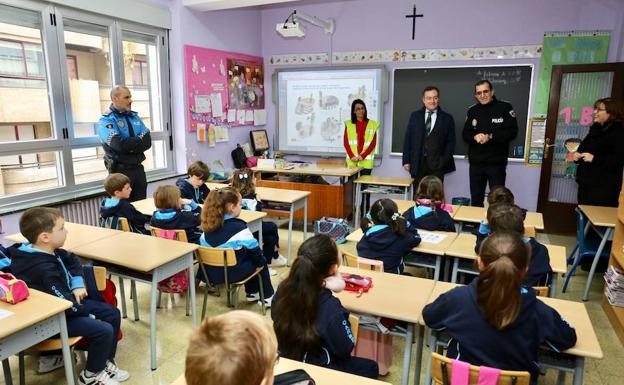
point(174, 329)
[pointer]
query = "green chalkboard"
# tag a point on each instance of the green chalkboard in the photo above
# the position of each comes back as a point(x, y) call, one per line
point(456, 84)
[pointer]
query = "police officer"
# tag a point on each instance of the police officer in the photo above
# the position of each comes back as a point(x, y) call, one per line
point(490, 126)
point(124, 138)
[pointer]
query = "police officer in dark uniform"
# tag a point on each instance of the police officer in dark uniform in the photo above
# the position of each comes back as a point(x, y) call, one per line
point(490, 126)
point(124, 138)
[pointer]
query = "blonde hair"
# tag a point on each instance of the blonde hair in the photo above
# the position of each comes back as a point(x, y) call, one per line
point(167, 197)
point(115, 182)
point(214, 207)
point(235, 348)
point(242, 180)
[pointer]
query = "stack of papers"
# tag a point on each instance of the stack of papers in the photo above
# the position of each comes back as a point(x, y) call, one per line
point(614, 289)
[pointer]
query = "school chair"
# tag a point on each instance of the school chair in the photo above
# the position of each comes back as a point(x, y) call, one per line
point(354, 323)
point(225, 258)
point(442, 372)
point(426, 261)
point(541, 291)
point(352, 260)
point(529, 231)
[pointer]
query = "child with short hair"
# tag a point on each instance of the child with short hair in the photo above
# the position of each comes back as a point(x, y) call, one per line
point(118, 206)
point(194, 187)
point(45, 266)
point(386, 237)
point(502, 217)
point(495, 321)
point(501, 194)
point(245, 339)
point(223, 229)
point(244, 181)
point(175, 213)
point(430, 212)
point(310, 323)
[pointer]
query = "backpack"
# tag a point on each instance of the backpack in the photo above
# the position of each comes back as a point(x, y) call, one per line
point(177, 283)
point(239, 157)
point(336, 228)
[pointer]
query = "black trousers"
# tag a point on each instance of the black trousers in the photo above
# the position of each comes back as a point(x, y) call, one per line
point(138, 180)
point(423, 171)
point(598, 195)
point(480, 175)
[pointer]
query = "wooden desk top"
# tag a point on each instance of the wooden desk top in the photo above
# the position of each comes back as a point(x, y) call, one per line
point(423, 247)
point(463, 246)
point(271, 194)
point(147, 207)
point(135, 251)
point(77, 235)
point(478, 214)
point(600, 216)
point(384, 298)
point(558, 258)
point(404, 205)
point(385, 180)
point(312, 169)
point(37, 307)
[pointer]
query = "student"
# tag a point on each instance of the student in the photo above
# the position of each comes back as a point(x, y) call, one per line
point(243, 339)
point(310, 323)
point(223, 229)
point(118, 206)
point(386, 237)
point(245, 182)
point(502, 217)
point(501, 194)
point(44, 266)
point(5, 261)
point(194, 186)
point(175, 213)
point(494, 321)
point(430, 213)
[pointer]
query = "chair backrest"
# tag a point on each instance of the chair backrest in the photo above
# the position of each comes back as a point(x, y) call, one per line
point(175, 234)
point(353, 260)
point(529, 231)
point(541, 291)
point(116, 223)
point(354, 323)
point(216, 257)
point(100, 277)
point(441, 364)
point(580, 229)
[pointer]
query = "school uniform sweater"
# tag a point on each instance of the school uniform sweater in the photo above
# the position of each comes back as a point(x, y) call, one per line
point(270, 235)
point(474, 340)
point(427, 218)
point(122, 208)
point(187, 191)
point(381, 243)
point(5, 261)
point(251, 202)
point(175, 219)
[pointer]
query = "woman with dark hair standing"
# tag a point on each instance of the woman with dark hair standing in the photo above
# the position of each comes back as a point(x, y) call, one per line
point(600, 156)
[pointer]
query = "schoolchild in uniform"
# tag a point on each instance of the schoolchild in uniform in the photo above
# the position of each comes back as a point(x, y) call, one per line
point(223, 229)
point(5, 261)
point(386, 237)
point(495, 321)
point(502, 217)
point(310, 323)
point(501, 194)
point(194, 187)
point(430, 212)
point(175, 213)
point(118, 206)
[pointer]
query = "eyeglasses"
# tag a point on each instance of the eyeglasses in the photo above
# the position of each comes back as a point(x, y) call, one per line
point(484, 92)
point(600, 109)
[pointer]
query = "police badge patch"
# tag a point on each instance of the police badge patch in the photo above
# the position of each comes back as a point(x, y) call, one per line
point(512, 113)
point(121, 123)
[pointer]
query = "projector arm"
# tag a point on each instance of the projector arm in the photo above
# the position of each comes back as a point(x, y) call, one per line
point(327, 25)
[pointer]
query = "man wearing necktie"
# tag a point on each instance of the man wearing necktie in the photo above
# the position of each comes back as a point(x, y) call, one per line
point(125, 138)
point(429, 139)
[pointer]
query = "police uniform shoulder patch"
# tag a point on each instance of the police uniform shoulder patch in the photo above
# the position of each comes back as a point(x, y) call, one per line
point(109, 125)
point(512, 113)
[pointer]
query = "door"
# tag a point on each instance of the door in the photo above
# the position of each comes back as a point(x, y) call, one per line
point(573, 91)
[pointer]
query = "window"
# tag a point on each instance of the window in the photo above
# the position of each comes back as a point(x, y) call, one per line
point(20, 59)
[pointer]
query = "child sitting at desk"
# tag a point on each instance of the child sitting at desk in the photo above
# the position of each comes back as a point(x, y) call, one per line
point(386, 237)
point(5, 261)
point(244, 339)
point(502, 217)
point(430, 212)
point(495, 321)
point(175, 213)
point(501, 194)
point(44, 266)
point(310, 323)
point(117, 206)
point(194, 187)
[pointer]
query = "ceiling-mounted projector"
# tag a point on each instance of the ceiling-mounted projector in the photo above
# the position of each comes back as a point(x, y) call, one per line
point(290, 29)
point(293, 28)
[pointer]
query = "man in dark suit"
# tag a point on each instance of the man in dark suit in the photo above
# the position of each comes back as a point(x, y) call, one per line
point(429, 139)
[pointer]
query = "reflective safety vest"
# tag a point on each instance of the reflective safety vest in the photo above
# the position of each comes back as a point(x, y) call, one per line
point(369, 134)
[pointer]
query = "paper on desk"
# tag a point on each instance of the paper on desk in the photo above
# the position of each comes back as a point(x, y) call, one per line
point(5, 313)
point(428, 237)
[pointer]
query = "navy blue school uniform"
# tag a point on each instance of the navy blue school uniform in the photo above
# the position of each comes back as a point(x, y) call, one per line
point(122, 208)
point(5, 261)
point(539, 272)
point(430, 219)
point(235, 234)
point(381, 243)
point(270, 235)
point(337, 341)
point(187, 191)
point(58, 274)
point(176, 219)
point(474, 340)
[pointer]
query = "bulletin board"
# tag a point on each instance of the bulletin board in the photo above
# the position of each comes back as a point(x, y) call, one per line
point(223, 88)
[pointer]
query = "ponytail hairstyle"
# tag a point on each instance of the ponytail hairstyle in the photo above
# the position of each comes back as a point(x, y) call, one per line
point(504, 258)
point(242, 180)
point(500, 194)
point(503, 217)
point(430, 192)
point(384, 212)
point(296, 307)
point(215, 207)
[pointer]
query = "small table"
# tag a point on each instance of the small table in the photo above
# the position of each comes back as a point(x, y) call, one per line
point(405, 183)
point(603, 220)
point(158, 257)
point(477, 214)
point(38, 318)
point(77, 235)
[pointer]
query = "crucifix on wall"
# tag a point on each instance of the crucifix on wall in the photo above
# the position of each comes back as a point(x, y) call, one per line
point(413, 16)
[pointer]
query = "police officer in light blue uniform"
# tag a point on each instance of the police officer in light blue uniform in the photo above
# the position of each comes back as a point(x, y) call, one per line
point(125, 138)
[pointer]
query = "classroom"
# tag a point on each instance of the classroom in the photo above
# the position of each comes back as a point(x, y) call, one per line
point(160, 90)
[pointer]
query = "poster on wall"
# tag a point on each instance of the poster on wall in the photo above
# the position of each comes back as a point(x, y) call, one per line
point(245, 84)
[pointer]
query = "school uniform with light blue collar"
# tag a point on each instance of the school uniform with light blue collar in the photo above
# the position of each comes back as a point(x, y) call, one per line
point(381, 243)
point(429, 218)
point(188, 191)
point(122, 208)
point(175, 219)
point(270, 235)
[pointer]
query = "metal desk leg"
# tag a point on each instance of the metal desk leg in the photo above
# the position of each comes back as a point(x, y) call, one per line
point(358, 202)
point(122, 294)
point(405, 192)
point(419, 351)
point(190, 258)
point(305, 218)
point(8, 380)
point(433, 340)
point(579, 368)
point(290, 225)
point(455, 268)
point(552, 291)
point(438, 267)
point(606, 236)
point(153, 303)
point(260, 240)
point(407, 355)
point(67, 356)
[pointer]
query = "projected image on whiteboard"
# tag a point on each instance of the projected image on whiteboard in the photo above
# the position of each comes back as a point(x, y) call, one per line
point(313, 106)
